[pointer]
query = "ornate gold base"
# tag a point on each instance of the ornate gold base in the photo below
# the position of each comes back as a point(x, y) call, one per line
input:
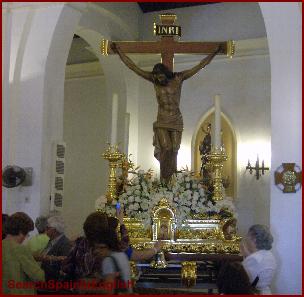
point(215, 160)
point(188, 273)
point(113, 155)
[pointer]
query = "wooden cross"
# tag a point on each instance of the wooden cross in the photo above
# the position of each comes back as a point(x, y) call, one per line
point(167, 46)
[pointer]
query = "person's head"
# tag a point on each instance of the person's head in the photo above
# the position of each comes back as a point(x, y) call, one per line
point(19, 225)
point(96, 227)
point(41, 224)
point(233, 279)
point(260, 236)
point(4, 222)
point(161, 74)
point(112, 239)
point(55, 226)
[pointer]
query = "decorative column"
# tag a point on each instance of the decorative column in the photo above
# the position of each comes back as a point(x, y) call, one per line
point(217, 155)
point(112, 153)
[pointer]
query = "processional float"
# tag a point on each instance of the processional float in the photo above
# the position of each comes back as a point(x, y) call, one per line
point(199, 238)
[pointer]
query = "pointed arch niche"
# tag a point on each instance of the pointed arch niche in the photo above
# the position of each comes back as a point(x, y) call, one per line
point(229, 140)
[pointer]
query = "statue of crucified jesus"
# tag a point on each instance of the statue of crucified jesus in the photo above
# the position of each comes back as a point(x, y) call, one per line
point(168, 127)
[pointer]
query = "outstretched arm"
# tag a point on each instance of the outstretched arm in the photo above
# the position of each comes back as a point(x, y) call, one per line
point(190, 72)
point(130, 64)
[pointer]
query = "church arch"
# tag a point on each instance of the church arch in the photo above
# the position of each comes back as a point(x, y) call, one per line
point(230, 145)
point(80, 200)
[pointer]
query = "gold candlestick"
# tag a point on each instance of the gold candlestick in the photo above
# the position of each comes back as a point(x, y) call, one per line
point(113, 155)
point(215, 163)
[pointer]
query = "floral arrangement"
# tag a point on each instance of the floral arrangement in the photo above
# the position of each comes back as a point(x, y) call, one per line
point(186, 194)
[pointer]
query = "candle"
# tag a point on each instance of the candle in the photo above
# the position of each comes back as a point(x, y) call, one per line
point(114, 119)
point(127, 125)
point(217, 122)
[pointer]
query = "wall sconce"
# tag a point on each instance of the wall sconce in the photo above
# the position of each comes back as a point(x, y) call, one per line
point(257, 168)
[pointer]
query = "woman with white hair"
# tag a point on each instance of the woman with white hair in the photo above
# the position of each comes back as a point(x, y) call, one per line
point(259, 261)
point(57, 248)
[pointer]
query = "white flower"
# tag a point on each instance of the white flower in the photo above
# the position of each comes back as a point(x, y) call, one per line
point(144, 206)
point(185, 195)
point(131, 199)
point(209, 204)
point(100, 202)
point(145, 200)
point(195, 196)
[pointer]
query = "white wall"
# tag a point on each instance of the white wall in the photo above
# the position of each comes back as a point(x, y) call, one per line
point(216, 22)
point(286, 117)
point(36, 45)
point(28, 133)
point(84, 134)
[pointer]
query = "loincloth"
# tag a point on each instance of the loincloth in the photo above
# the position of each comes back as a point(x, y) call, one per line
point(171, 122)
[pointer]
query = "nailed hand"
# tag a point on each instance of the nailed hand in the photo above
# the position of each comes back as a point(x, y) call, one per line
point(114, 47)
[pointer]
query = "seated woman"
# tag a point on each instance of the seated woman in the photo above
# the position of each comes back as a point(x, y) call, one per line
point(233, 279)
point(84, 260)
point(259, 261)
point(115, 270)
point(18, 264)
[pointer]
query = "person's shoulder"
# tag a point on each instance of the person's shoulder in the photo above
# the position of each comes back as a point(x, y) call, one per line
point(64, 240)
point(22, 249)
point(269, 257)
point(259, 257)
point(264, 254)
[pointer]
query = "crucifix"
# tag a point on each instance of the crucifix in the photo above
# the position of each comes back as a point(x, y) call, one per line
point(169, 125)
point(167, 46)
